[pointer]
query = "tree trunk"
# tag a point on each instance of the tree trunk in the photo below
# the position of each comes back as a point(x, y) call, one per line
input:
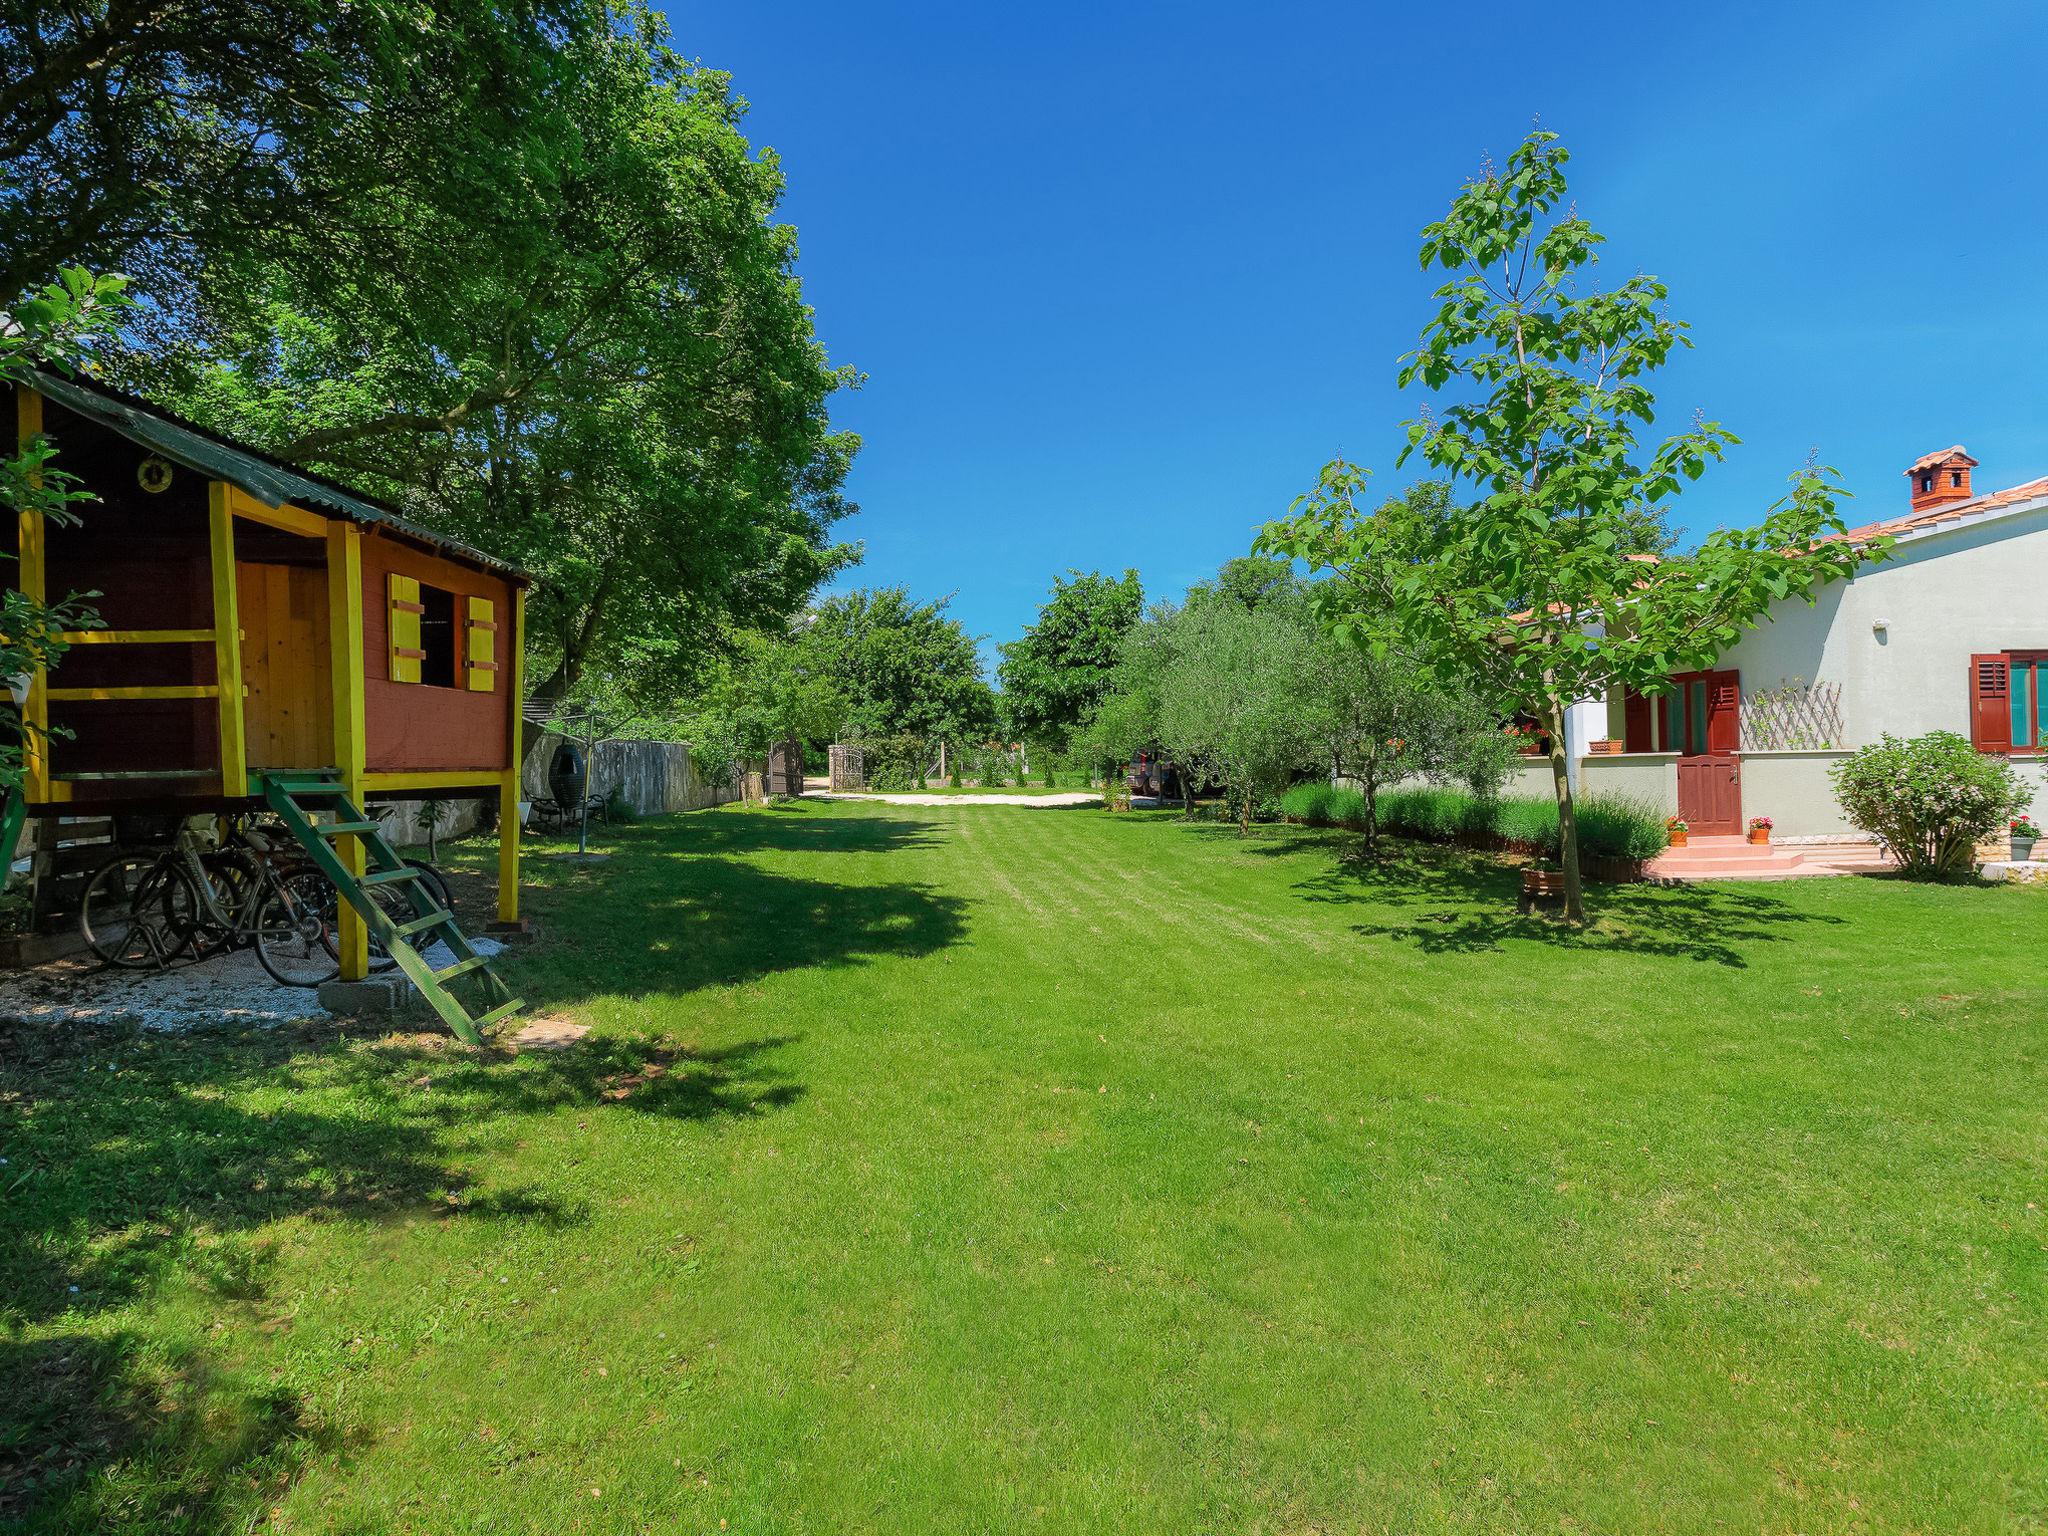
point(1567, 819)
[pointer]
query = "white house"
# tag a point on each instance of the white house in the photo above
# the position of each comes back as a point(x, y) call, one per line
point(1949, 633)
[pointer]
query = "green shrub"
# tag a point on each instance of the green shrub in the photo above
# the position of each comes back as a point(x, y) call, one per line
point(1609, 826)
point(1428, 815)
point(1930, 798)
point(1621, 827)
point(1527, 822)
point(1309, 803)
point(617, 808)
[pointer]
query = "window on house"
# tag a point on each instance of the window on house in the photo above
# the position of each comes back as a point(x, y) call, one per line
point(1955, 479)
point(2009, 701)
point(1926, 484)
point(437, 637)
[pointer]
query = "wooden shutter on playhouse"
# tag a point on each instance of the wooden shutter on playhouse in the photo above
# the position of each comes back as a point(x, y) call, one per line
point(480, 655)
point(403, 625)
point(1991, 703)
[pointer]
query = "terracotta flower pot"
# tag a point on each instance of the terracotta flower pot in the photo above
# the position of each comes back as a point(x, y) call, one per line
point(1759, 834)
point(1677, 838)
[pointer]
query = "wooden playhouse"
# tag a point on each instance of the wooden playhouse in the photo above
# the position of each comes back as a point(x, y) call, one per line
point(271, 639)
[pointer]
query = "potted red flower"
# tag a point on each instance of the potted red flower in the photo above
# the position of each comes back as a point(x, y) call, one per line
point(1675, 831)
point(1759, 829)
point(2023, 834)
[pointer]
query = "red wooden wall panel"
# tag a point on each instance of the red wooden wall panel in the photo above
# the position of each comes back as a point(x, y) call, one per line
point(419, 727)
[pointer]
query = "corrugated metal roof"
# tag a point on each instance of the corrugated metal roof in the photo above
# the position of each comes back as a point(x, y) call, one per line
point(269, 480)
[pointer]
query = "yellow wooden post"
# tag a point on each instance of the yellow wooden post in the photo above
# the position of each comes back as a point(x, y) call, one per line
point(227, 641)
point(35, 709)
point(508, 787)
point(345, 690)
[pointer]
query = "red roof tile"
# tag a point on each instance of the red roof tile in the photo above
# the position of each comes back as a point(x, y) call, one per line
point(1950, 511)
point(1940, 456)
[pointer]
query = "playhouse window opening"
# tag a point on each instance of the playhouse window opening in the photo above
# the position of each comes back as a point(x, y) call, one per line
point(437, 637)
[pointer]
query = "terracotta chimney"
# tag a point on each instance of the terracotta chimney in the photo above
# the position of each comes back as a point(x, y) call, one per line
point(1938, 478)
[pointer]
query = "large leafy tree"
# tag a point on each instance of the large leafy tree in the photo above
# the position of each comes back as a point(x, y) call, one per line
point(1061, 667)
point(902, 668)
point(584, 348)
point(149, 134)
point(1532, 595)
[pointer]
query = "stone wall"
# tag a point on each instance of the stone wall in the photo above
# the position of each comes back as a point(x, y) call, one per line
point(655, 776)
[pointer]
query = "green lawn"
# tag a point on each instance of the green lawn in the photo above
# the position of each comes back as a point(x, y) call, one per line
point(1039, 787)
point(981, 1169)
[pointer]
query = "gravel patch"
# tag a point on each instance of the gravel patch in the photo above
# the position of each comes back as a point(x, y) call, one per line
point(234, 989)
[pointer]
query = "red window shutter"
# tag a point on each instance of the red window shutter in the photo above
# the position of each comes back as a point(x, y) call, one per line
point(1724, 711)
point(1991, 703)
point(1635, 721)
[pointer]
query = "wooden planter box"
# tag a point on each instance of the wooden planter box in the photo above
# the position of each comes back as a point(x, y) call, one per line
point(1605, 747)
point(1541, 887)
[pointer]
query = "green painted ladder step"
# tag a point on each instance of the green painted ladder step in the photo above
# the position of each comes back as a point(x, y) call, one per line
point(286, 794)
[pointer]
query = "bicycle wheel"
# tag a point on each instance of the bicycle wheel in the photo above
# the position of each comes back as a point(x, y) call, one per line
point(139, 911)
point(294, 941)
point(237, 881)
point(436, 884)
point(318, 892)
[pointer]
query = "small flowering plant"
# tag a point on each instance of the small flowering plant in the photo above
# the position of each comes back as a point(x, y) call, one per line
point(2025, 828)
point(1759, 823)
point(1677, 824)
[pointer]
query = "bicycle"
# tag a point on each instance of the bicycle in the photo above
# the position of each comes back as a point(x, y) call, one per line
point(144, 910)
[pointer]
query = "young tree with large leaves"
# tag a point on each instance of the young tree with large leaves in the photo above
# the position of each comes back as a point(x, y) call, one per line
point(1531, 595)
point(1061, 667)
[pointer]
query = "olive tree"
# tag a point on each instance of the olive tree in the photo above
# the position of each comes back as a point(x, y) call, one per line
point(1236, 703)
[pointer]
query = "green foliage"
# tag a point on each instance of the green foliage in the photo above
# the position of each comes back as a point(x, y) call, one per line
point(902, 667)
point(1931, 798)
point(56, 328)
point(1236, 703)
point(894, 762)
point(1529, 598)
point(576, 338)
point(1324, 805)
point(1485, 760)
point(1616, 827)
point(618, 810)
point(1059, 670)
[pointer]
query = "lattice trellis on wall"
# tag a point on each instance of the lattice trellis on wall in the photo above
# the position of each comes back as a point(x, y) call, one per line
point(1795, 716)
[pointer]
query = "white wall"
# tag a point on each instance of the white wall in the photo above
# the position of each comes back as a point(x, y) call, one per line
point(1945, 596)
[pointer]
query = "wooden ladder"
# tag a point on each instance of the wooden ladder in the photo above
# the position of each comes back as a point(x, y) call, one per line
point(298, 799)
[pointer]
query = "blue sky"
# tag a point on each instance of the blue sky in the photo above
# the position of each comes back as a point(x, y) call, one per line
point(1122, 276)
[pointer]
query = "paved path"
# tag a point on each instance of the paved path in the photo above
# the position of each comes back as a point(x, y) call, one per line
point(1043, 802)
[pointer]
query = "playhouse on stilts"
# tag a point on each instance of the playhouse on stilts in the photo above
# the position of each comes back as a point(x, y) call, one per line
point(272, 640)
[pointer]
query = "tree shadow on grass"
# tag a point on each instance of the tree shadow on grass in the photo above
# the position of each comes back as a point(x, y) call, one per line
point(102, 1433)
point(695, 902)
point(136, 1161)
point(1453, 900)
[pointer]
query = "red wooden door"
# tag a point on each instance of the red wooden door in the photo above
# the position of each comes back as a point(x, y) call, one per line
point(1707, 732)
